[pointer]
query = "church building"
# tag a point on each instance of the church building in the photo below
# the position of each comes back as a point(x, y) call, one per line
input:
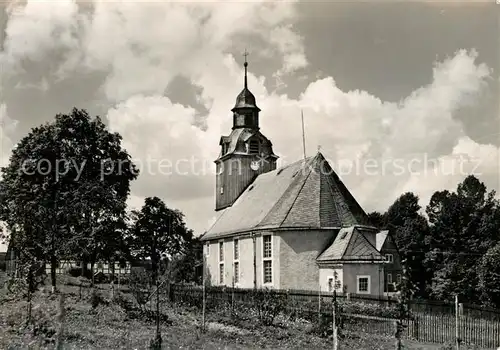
point(297, 227)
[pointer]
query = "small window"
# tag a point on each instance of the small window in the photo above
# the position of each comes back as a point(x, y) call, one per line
point(222, 190)
point(225, 148)
point(363, 286)
point(330, 284)
point(236, 272)
point(221, 251)
point(236, 249)
point(267, 246)
point(398, 279)
point(253, 147)
point(344, 235)
point(268, 271)
point(389, 258)
point(221, 273)
point(389, 278)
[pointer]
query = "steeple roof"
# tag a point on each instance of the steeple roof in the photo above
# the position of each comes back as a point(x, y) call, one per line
point(245, 98)
point(306, 194)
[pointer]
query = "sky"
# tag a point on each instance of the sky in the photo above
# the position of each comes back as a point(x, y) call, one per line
point(398, 96)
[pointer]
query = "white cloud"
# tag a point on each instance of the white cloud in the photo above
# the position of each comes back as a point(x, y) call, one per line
point(350, 126)
point(144, 46)
point(7, 127)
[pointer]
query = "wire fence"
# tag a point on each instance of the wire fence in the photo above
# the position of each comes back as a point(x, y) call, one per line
point(357, 317)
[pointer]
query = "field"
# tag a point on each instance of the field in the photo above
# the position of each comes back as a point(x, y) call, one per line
point(106, 323)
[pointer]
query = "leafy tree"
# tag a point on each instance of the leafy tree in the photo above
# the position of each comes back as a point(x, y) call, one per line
point(410, 230)
point(377, 219)
point(489, 280)
point(188, 266)
point(158, 233)
point(464, 225)
point(72, 178)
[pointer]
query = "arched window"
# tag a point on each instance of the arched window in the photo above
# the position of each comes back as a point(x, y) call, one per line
point(253, 147)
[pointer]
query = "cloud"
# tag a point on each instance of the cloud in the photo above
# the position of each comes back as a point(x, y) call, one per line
point(402, 141)
point(143, 47)
point(7, 127)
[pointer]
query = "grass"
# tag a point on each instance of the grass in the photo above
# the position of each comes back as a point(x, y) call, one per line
point(111, 325)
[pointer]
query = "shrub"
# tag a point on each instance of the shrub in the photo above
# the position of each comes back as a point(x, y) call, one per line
point(96, 299)
point(140, 286)
point(269, 304)
point(74, 271)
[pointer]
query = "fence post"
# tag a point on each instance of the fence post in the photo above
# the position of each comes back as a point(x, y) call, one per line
point(398, 334)
point(204, 298)
point(457, 322)
point(334, 322)
point(319, 305)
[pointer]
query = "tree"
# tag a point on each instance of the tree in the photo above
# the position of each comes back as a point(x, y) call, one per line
point(158, 233)
point(189, 265)
point(74, 157)
point(377, 219)
point(410, 230)
point(464, 225)
point(489, 280)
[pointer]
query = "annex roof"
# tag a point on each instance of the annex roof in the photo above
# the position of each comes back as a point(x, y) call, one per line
point(350, 245)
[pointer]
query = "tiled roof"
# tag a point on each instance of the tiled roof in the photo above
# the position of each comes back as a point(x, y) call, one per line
point(305, 194)
point(381, 237)
point(350, 245)
point(236, 141)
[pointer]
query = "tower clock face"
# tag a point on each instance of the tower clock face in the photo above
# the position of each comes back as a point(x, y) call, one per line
point(255, 165)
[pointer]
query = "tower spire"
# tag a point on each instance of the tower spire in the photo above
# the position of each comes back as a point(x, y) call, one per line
point(245, 54)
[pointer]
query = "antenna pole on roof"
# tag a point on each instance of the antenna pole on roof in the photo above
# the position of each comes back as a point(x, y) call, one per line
point(303, 134)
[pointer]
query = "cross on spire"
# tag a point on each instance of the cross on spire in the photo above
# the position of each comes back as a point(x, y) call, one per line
point(245, 54)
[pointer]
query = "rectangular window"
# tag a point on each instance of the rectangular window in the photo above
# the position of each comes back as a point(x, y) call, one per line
point(398, 278)
point(236, 250)
point(389, 258)
point(236, 272)
point(330, 284)
point(267, 262)
point(363, 285)
point(267, 247)
point(389, 278)
point(221, 251)
point(268, 271)
point(221, 273)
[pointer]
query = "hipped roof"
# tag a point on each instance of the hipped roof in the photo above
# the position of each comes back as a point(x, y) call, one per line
point(305, 194)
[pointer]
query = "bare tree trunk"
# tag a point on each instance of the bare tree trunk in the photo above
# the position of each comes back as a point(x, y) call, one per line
point(30, 287)
point(60, 319)
point(92, 280)
point(53, 267)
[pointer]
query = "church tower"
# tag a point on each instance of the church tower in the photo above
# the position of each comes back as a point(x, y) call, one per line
point(245, 153)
